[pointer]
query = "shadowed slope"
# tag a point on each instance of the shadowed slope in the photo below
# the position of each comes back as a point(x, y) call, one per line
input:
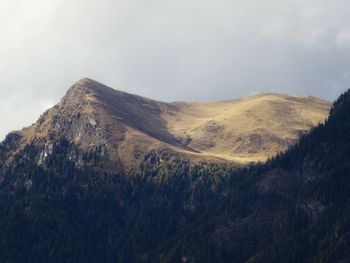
point(137, 112)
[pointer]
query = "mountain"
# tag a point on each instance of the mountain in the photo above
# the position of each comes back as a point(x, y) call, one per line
point(249, 129)
point(293, 208)
point(122, 127)
point(68, 207)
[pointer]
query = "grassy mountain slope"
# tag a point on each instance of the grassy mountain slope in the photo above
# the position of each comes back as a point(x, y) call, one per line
point(249, 129)
point(123, 127)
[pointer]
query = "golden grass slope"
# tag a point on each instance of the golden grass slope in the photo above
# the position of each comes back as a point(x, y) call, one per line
point(249, 129)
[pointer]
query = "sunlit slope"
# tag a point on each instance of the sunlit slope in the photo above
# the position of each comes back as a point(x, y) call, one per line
point(249, 129)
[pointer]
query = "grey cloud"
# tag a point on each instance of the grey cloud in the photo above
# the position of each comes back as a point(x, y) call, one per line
point(170, 50)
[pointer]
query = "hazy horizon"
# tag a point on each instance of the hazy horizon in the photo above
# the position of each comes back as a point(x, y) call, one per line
point(170, 51)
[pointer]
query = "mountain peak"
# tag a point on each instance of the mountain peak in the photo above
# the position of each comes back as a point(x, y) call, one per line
point(86, 83)
point(89, 90)
point(87, 93)
point(83, 87)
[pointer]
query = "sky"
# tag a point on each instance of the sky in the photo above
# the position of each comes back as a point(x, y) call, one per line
point(191, 50)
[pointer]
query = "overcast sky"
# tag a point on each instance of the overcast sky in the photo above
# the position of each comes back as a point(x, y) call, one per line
point(194, 50)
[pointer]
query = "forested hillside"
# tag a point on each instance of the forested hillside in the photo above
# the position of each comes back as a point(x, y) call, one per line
point(293, 208)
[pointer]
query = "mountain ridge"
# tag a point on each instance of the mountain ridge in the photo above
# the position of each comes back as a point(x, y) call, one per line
point(126, 126)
